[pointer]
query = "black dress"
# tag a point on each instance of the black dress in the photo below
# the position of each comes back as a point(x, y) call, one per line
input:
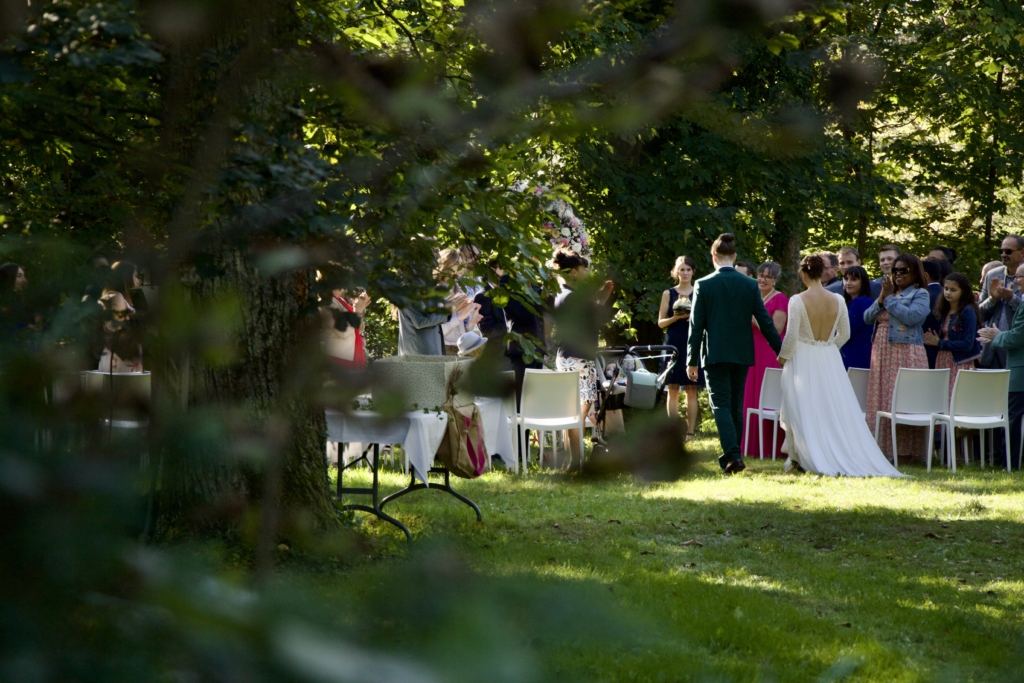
point(678, 335)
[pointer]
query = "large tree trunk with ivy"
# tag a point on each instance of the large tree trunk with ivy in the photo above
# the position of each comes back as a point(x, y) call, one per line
point(270, 451)
point(274, 441)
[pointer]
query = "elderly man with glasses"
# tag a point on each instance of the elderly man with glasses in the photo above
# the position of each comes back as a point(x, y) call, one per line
point(1000, 297)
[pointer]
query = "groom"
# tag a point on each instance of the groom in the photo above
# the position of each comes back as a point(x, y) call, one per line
point(722, 339)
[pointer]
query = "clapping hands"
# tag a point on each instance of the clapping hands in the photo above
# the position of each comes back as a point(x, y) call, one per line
point(887, 287)
point(987, 334)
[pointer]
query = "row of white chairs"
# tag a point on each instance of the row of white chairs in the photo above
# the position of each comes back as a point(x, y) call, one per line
point(921, 398)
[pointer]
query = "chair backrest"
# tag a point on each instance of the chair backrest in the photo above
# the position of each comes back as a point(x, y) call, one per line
point(978, 393)
point(921, 391)
point(859, 382)
point(771, 389)
point(549, 394)
point(125, 395)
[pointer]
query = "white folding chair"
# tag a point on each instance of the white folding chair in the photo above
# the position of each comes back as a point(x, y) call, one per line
point(859, 382)
point(767, 409)
point(980, 401)
point(550, 403)
point(917, 395)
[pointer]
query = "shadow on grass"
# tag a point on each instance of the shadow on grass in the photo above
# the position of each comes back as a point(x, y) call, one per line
point(749, 587)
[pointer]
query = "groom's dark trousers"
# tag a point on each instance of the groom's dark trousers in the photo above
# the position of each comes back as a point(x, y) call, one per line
point(722, 341)
point(726, 384)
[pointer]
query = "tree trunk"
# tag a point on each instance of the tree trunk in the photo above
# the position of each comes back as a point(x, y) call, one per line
point(270, 423)
point(786, 252)
point(990, 196)
point(270, 451)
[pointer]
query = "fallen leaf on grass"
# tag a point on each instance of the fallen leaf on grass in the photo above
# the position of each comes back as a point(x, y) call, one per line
point(962, 580)
point(614, 521)
point(990, 592)
point(647, 552)
point(846, 625)
point(932, 535)
point(766, 527)
point(590, 516)
point(553, 560)
point(693, 541)
point(555, 525)
point(728, 533)
point(997, 541)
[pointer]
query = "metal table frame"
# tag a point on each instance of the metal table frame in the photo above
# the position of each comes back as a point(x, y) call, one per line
point(377, 508)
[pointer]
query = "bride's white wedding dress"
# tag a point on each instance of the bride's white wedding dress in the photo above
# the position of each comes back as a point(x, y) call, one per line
point(825, 428)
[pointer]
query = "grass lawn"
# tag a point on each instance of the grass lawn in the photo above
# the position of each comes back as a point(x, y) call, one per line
point(757, 577)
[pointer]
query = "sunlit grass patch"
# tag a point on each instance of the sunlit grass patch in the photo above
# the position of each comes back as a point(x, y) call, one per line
point(765, 575)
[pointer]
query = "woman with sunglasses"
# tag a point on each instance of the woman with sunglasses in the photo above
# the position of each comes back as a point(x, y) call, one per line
point(898, 315)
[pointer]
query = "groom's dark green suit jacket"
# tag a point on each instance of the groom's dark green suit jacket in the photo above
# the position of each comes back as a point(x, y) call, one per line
point(720, 330)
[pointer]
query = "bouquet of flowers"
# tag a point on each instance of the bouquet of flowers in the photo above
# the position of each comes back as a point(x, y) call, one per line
point(563, 227)
point(682, 306)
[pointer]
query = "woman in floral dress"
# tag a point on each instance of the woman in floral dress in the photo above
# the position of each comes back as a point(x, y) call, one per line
point(901, 308)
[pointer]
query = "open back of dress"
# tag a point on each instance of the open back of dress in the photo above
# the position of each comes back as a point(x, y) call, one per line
point(825, 429)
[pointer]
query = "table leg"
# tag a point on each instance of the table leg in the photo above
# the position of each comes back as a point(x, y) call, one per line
point(373, 491)
point(446, 486)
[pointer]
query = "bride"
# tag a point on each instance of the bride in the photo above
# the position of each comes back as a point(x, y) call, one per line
point(825, 429)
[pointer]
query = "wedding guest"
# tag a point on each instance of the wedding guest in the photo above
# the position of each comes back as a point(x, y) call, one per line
point(124, 279)
point(1012, 341)
point(470, 255)
point(848, 258)
point(357, 307)
point(947, 254)
point(886, 256)
point(831, 274)
point(338, 337)
point(1000, 297)
point(777, 305)
point(122, 341)
point(464, 317)
point(420, 334)
point(856, 352)
point(493, 322)
point(935, 271)
point(577, 354)
point(745, 267)
point(956, 341)
point(898, 342)
point(674, 318)
point(14, 316)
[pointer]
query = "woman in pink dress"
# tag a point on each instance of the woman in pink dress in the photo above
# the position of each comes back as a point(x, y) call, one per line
point(777, 303)
point(901, 308)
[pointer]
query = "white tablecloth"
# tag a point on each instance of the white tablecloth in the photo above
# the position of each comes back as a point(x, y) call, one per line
point(497, 431)
point(420, 433)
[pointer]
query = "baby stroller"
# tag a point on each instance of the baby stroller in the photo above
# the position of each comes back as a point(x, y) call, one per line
point(629, 382)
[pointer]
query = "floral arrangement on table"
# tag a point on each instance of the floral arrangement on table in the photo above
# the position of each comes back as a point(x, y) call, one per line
point(563, 227)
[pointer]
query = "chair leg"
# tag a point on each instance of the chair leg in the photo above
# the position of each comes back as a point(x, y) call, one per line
point(524, 454)
point(951, 446)
point(1006, 435)
point(892, 422)
point(981, 448)
point(929, 447)
point(760, 434)
point(775, 435)
point(746, 433)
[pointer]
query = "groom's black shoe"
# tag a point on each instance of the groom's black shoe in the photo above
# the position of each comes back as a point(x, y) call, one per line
point(734, 466)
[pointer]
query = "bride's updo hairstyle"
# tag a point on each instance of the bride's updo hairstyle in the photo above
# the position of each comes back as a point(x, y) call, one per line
point(566, 259)
point(725, 245)
point(812, 266)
